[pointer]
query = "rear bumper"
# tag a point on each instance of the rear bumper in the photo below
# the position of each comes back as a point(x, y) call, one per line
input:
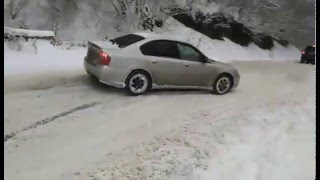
point(308, 61)
point(108, 75)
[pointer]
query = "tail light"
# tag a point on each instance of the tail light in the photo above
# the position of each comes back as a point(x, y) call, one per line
point(303, 52)
point(105, 58)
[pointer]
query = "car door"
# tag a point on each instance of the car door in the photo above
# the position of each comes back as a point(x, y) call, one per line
point(162, 60)
point(197, 71)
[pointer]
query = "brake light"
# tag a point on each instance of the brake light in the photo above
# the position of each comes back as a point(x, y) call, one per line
point(303, 52)
point(105, 58)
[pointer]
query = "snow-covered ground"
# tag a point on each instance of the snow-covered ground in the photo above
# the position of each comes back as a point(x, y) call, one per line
point(68, 127)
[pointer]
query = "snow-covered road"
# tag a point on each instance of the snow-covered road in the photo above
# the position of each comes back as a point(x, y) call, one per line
point(68, 127)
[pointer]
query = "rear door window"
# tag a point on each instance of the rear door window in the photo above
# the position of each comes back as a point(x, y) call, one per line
point(127, 40)
point(160, 48)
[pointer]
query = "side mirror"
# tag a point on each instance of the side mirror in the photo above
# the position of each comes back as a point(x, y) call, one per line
point(204, 59)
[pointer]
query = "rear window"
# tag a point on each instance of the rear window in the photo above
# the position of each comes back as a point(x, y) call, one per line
point(127, 40)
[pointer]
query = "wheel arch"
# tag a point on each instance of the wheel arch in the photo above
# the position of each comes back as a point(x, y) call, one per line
point(148, 73)
point(224, 74)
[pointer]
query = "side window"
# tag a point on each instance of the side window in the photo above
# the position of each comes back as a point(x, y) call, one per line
point(189, 53)
point(149, 49)
point(161, 49)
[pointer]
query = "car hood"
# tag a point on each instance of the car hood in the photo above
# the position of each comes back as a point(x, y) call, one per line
point(222, 64)
point(226, 67)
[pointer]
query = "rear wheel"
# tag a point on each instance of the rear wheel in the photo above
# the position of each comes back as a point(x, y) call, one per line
point(222, 85)
point(138, 82)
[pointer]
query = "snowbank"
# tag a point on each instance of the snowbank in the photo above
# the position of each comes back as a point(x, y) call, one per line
point(39, 56)
point(27, 33)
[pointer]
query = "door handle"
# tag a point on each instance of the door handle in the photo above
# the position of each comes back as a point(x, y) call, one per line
point(154, 62)
point(186, 65)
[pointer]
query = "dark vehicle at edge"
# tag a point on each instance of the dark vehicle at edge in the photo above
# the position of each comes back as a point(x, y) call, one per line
point(308, 55)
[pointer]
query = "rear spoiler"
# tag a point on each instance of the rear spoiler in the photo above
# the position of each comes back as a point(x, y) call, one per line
point(93, 44)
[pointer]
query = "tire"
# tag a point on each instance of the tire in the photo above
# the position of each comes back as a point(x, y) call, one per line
point(223, 84)
point(137, 83)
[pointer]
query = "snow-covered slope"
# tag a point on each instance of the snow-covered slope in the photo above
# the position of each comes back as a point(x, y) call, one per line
point(81, 19)
point(227, 50)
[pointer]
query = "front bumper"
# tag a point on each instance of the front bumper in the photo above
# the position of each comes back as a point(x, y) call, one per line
point(236, 79)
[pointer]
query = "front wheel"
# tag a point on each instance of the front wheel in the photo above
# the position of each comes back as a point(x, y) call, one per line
point(137, 83)
point(222, 85)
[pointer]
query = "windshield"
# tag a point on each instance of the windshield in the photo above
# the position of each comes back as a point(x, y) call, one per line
point(126, 40)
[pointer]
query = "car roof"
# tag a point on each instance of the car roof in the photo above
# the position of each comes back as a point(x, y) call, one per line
point(147, 35)
point(154, 36)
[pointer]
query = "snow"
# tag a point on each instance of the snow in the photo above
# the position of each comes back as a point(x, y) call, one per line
point(275, 145)
point(227, 50)
point(27, 32)
point(39, 56)
point(265, 129)
point(88, 20)
point(214, 8)
point(20, 57)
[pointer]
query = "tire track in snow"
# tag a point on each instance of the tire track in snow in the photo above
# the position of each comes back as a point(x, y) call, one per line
point(49, 119)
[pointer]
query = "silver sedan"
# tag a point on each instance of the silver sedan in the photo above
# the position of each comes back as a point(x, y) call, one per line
point(139, 62)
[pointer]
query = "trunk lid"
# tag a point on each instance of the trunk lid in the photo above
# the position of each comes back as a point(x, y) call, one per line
point(95, 48)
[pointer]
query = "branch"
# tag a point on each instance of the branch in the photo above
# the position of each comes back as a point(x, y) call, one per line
point(115, 8)
point(11, 9)
point(273, 5)
point(20, 5)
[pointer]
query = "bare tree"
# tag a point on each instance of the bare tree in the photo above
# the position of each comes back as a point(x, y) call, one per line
point(15, 7)
point(54, 16)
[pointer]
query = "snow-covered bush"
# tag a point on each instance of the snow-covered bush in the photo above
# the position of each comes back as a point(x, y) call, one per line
point(219, 26)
